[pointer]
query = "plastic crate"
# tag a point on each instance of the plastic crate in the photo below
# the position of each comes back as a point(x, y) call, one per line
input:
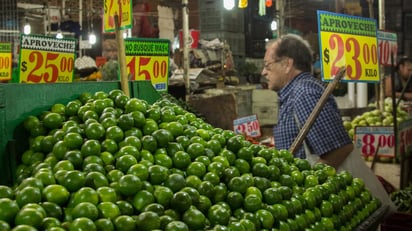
point(236, 41)
point(17, 101)
point(397, 222)
point(213, 17)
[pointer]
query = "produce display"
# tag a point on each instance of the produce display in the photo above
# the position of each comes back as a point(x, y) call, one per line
point(377, 117)
point(105, 161)
point(403, 199)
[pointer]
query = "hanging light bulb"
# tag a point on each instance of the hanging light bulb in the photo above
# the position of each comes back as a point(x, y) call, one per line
point(228, 4)
point(92, 38)
point(59, 34)
point(274, 25)
point(27, 27)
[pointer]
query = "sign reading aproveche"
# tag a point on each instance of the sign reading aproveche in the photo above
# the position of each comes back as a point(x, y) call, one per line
point(348, 41)
point(6, 61)
point(148, 59)
point(46, 59)
point(121, 8)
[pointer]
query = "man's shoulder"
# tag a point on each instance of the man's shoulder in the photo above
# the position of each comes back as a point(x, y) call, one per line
point(308, 83)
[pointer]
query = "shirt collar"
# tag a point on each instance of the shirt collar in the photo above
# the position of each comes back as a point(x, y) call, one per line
point(287, 89)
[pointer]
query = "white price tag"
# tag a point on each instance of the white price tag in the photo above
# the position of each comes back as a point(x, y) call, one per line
point(248, 126)
point(368, 139)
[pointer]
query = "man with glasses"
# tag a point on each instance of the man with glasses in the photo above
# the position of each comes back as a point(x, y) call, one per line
point(288, 68)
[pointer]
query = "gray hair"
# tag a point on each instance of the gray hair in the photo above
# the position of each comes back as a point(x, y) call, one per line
point(295, 47)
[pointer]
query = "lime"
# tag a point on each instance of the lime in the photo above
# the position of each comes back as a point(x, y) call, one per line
point(30, 217)
point(157, 174)
point(115, 133)
point(148, 221)
point(95, 131)
point(56, 194)
point(125, 207)
point(252, 203)
point(82, 223)
point(73, 140)
point(266, 218)
point(53, 120)
point(8, 210)
point(181, 201)
point(6, 192)
point(85, 209)
point(176, 226)
point(175, 182)
point(194, 218)
point(129, 184)
point(108, 210)
point(235, 200)
point(141, 199)
point(196, 168)
point(181, 159)
point(28, 195)
point(218, 215)
point(104, 224)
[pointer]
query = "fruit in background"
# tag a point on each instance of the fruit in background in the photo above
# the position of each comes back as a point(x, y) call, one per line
point(376, 117)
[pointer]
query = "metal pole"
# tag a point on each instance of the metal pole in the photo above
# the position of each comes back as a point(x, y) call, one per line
point(280, 7)
point(381, 27)
point(80, 22)
point(186, 64)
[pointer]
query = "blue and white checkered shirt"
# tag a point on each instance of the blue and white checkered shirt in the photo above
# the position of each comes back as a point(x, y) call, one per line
point(300, 96)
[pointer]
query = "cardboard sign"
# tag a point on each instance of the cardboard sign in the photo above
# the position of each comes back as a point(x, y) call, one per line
point(148, 59)
point(369, 139)
point(46, 59)
point(388, 46)
point(248, 126)
point(348, 41)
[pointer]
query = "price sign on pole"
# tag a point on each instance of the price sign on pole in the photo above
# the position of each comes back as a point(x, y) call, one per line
point(5, 61)
point(148, 59)
point(46, 59)
point(388, 45)
point(348, 41)
point(248, 126)
point(368, 139)
point(122, 8)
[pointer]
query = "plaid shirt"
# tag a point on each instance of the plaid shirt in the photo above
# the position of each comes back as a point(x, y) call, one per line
point(300, 96)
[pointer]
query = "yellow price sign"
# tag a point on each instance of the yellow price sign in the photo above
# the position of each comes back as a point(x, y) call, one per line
point(46, 59)
point(351, 42)
point(148, 59)
point(121, 8)
point(5, 61)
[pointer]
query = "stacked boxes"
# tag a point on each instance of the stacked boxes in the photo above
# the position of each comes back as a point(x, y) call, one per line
point(225, 25)
point(265, 106)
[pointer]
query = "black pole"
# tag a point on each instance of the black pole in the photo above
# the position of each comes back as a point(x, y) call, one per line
point(394, 107)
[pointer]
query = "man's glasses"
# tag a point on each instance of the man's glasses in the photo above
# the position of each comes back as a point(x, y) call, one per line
point(267, 65)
